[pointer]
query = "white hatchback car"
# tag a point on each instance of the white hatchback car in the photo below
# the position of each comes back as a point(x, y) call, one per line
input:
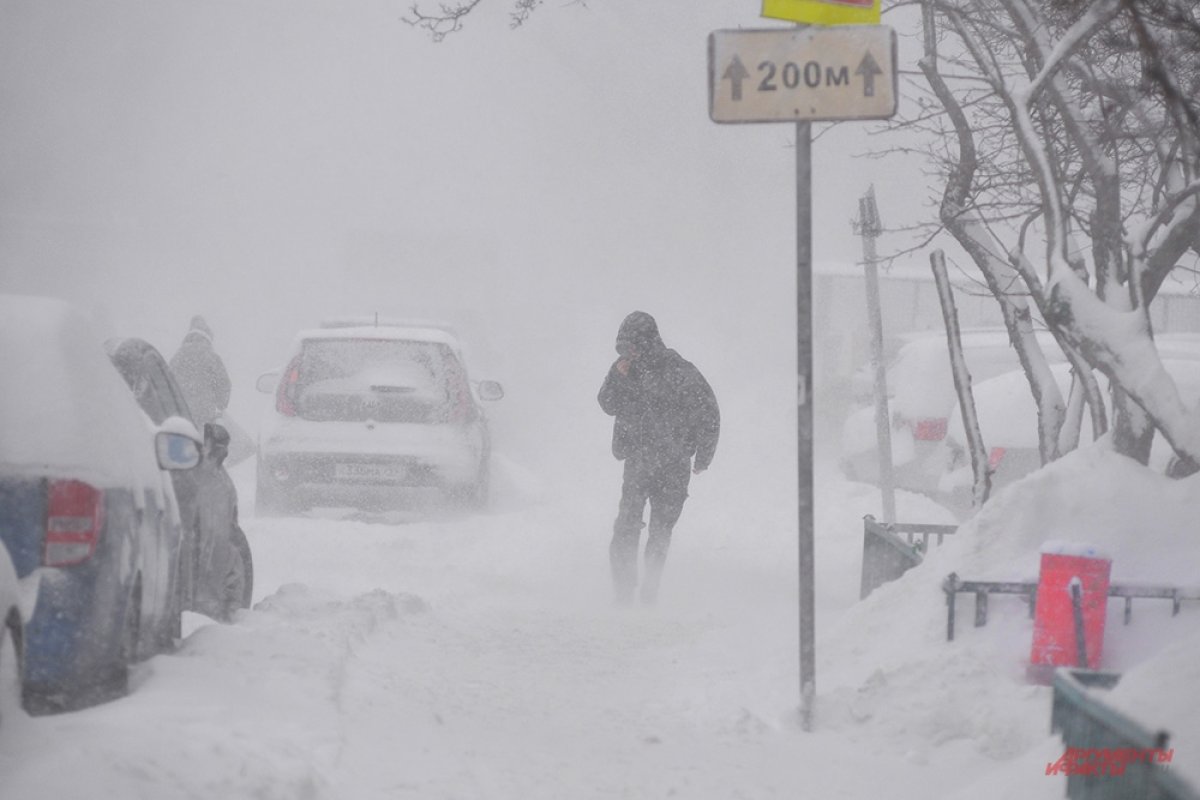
point(1007, 416)
point(922, 399)
point(365, 416)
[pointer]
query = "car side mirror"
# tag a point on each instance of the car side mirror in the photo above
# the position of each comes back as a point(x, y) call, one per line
point(267, 381)
point(490, 390)
point(216, 442)
point(176, 450)
point(177, 444)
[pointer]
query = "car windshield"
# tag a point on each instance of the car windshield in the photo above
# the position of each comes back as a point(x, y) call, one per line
point(388, 380)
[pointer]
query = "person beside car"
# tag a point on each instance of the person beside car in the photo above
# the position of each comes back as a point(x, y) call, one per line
point(201, 374)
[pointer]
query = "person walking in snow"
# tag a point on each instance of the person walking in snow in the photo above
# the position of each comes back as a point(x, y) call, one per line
point(666, 427)
point(201, 373)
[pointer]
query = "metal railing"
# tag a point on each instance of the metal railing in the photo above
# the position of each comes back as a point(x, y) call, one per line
point(1109, 756)
point(886, 556)
point(954, 585)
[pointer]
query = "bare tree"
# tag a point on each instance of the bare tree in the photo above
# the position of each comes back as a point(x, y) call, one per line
point(981, 487)
point(448, 18)
point(1072, 172)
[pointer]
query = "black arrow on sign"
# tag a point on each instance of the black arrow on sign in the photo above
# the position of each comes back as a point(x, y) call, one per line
point(736, 73)
point(868, 68)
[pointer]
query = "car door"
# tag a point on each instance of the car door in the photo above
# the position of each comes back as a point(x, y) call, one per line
point(170, 403)
point(145, 372)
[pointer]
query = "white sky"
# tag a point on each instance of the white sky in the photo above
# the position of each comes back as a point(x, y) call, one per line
point(268, 163)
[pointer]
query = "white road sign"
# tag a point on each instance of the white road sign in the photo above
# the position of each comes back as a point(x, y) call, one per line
point(791, 74)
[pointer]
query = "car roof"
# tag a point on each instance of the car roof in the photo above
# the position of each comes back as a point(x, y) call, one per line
point(72, 412)
point(381, 332)
point(1005, 406)
point(377, 321)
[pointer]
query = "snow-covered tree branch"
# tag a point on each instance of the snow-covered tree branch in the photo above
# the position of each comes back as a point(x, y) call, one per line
point(449, 17)
point(1104, 125)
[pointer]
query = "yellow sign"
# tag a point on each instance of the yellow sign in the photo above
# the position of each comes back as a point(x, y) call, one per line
point(824, 12)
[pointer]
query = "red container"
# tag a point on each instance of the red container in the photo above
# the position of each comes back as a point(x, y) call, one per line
point(1054, 634)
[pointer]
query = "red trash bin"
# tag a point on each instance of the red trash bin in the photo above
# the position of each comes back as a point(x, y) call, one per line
point(1054, 634)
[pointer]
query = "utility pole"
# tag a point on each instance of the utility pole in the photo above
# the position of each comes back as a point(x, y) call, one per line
point(869, 228)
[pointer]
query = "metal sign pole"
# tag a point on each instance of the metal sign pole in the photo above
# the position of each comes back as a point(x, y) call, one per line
point(804, 422)
point(803, 74)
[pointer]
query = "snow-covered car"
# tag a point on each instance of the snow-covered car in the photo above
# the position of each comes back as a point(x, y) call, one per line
point(1007, 417)
point(921, 399)
point(216, 568)
point(365, 415)
point(88, 513)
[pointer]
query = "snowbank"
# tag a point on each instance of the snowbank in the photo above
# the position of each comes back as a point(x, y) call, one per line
point(886, 670)
point(1161, 695)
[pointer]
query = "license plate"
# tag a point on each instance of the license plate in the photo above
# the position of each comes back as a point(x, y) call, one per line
point(369, 472)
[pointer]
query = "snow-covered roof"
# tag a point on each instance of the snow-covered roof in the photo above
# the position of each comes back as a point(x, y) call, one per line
point(920, 379)
point(64, 409)
point(381, 332)
point(1007, 412)
point(376, 321)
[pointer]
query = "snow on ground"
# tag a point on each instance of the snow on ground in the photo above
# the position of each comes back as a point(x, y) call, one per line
point(902, 680)
point(481, 657)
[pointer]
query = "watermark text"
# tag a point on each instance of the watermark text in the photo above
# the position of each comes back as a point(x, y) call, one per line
point(1105, 761)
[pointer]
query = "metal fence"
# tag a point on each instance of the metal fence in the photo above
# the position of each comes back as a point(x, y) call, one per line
point(954, 585)
point(887, 556)
point(1109, 756)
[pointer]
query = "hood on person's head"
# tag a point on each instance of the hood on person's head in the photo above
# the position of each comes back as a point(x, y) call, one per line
point(639, 330)
point(198, 325)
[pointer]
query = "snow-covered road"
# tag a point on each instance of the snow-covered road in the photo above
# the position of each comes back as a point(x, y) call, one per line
point(482, 657)
point(467, 657)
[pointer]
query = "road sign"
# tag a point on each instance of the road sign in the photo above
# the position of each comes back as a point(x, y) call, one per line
point(799, 74)
point(824, 12)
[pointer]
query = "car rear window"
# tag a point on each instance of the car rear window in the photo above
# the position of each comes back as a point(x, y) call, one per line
point(387, 380)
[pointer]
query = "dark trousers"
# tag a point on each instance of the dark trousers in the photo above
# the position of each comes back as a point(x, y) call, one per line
point(664, 486)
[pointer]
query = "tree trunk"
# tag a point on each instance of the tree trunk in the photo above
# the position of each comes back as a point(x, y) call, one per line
point(981, 487)
point(1133, 433)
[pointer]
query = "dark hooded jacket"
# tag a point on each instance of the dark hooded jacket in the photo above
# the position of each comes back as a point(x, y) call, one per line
point(664, 408)
point(201, 374)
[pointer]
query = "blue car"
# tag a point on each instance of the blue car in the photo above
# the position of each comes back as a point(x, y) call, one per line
point(87, 510)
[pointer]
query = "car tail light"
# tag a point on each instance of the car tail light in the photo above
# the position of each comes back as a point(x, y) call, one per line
point(460, 412)
point(74, 517)
point(995, 456)
point(285, 395)
point(929, 430)
point(460, 397)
